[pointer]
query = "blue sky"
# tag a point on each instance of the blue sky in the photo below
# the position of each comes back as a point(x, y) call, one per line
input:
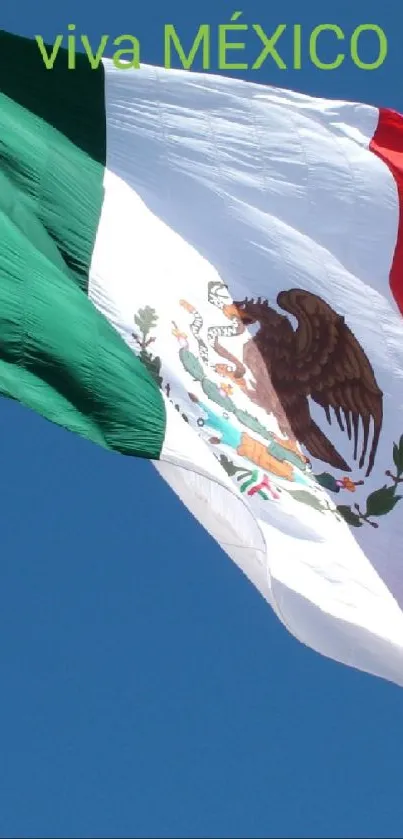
point(146, 688)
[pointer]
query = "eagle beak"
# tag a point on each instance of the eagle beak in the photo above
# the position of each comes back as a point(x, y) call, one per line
point(232, 311)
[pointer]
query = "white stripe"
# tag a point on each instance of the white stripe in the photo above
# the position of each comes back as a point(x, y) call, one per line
point(214, 179)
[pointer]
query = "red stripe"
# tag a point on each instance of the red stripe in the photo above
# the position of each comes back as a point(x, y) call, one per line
point(387, 144)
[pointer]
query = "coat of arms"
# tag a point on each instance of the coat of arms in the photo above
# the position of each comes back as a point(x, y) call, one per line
point(254, 403)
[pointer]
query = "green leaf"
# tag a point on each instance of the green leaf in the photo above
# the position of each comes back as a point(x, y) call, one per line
point(244, 473)
point(349, 516)
point(307, 498)
point(251, 422)
point(212, 391)
point(327, 481)
point(382, 501)
point(229, 466)
point(247, 483)
point(191, 364)
point(146, 319)
point(153, 364)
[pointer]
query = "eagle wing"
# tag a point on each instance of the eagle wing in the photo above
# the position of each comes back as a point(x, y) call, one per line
point(326, 362)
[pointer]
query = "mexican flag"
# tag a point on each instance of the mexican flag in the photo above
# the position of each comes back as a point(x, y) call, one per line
point(208, 273)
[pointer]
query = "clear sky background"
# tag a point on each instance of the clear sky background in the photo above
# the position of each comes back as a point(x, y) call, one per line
point(146, 687)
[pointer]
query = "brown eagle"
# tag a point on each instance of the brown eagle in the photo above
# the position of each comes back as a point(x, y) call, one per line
point(322, 360)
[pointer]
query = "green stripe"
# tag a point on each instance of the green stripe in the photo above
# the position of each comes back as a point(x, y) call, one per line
point(72, 101)
point(58, 355)
point(57, 106)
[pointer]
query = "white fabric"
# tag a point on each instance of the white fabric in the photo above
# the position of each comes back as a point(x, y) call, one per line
point(212, 179)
